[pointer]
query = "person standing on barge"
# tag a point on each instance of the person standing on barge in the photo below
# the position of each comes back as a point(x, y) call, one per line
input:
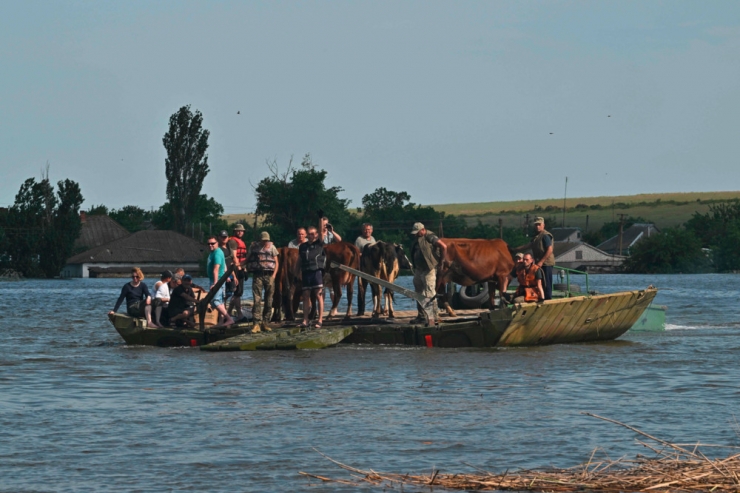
point(426, 252)
point(313, 263)
point(300, 238)
point(542, 250)
point(216, 268)
point(239, 259)
point(263, 264)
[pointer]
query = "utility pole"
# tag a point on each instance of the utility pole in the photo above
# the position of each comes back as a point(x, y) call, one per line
point(500, 228)
point(441, 231)
point(526, 225)
point(621, 230)
point(564, 197)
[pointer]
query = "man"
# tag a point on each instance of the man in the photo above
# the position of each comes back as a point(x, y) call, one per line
point(216, 268)
point(542, 250)
point(366, 238)
point(530, 278)
point(182, 300)
point(300, 238)
point(263, 264)
point(239, 259)
point(230, 256)
point(313, 262)
point(425, 260)
point(328, 235)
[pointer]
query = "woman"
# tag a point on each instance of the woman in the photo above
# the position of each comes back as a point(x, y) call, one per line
point(138, 299)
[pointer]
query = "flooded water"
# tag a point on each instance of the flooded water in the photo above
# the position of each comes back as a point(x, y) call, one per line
point(81, 411)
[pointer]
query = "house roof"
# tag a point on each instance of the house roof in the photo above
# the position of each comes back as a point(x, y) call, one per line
point(629, 237)
point(99, 230)
point(145, 246)
point(562, 234)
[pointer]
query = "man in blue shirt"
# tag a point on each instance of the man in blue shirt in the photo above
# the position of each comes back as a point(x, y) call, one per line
point(216, 268)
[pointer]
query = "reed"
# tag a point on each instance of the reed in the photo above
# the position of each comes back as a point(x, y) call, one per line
point(673, 468)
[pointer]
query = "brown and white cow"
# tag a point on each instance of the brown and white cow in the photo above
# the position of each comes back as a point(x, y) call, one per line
point(469, 262)
point(342, 253)
point(382, 260)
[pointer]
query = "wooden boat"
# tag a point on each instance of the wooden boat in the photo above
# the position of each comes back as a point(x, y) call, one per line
point(135, 332)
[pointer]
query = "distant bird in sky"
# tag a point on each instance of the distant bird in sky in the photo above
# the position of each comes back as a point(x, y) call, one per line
point(552, 133)
point(238, 112)
point(608, 116)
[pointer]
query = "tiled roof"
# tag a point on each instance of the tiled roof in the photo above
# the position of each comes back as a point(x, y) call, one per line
point(629, 237)
point(145, 246)
point(562, 234)
point(99, 230)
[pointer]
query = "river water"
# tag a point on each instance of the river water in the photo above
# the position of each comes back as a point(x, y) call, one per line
point(81, 411)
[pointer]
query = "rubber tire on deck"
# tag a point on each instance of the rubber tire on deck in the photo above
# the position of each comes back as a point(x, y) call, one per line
point(476, 301)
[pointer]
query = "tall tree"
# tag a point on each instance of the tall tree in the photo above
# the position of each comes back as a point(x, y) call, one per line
point(186, 165)
point(291, 199)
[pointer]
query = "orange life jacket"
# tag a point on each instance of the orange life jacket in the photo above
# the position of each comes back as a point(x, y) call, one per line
point(241, 250)
point(528, 283)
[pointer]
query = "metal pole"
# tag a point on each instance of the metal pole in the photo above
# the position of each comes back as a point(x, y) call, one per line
point(564, 197)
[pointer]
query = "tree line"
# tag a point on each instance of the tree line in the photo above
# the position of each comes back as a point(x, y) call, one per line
point(38, 233)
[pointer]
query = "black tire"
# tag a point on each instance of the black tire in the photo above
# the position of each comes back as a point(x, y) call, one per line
point(478, 300)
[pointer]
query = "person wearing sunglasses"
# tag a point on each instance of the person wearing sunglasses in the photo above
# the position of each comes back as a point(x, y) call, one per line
point(216, 268)
point(137, 296)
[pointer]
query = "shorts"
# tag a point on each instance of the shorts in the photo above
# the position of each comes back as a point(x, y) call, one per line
point(242, 277)
point(136, 309)
point(313, 279)
point(218, 298)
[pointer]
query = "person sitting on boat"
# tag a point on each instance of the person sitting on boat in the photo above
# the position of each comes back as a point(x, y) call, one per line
point(518, 262)
point(161, 297)
point(182, 300)
point(530, 278)
point(263, 264)
point(313, 262)
point(138, 299)
point(300, 238)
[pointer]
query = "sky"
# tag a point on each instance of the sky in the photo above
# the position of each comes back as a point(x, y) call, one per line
point(449, 101)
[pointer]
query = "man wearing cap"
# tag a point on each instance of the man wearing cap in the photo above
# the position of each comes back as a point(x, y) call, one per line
point(542, 250)
point(263, 264)
point(230, 256)
point(426, 252)
point(216, 268)
point(236, 245)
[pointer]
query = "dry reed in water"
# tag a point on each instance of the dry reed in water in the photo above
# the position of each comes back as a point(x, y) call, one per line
point(674, 468)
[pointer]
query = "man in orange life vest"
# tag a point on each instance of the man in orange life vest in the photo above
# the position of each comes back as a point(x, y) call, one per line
point(237, 245)
point(530, 278)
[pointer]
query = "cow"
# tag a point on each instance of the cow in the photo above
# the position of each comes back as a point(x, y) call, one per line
point(347, 254)
point(382, 260)
point(469, 262)
point(287, 285)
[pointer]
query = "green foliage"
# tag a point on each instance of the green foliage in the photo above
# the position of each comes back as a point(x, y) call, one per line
point(292, 199)
point(206, 218)
point(609, 230)
point(186, 166)
point(719, 230)
point(97, 210)
point(42, 226)
point(675, 250)
point(132, 217)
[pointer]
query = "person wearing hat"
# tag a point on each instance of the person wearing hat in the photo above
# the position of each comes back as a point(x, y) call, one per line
point(182, 300)
point(238, 250)
point(426, 252)
point(263, 264)
point(542, 251)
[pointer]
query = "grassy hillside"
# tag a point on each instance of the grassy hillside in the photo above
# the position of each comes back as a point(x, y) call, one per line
point(664, 209)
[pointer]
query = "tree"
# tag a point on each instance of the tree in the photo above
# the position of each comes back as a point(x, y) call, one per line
point(292, 199)
point(205, 221)
point(131, 217)
point(672, 251)
point(42, 226)
point(186, 165)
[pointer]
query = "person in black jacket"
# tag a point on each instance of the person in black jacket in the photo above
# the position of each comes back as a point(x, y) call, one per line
point(313, 262)
point(138, 299)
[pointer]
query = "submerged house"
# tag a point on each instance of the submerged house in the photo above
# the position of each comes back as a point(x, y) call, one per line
point(582, 256)
point(630, 237)
point(151, 250)
point(98, 230)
